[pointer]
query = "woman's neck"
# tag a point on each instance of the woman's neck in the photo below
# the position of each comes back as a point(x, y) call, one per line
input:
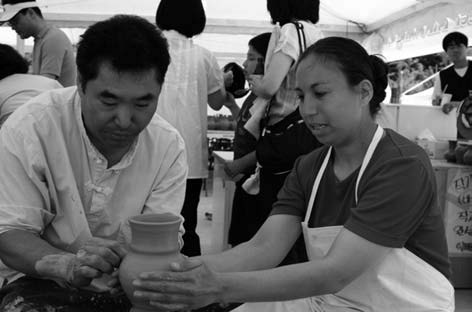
point(349, 157)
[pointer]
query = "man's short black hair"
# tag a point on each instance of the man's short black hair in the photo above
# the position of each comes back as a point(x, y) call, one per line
point(456, 38)
point(185, 16)
point(11, 62)
point(128, 42)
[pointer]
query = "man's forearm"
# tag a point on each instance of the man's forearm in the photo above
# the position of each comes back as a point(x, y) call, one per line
point(28, 253)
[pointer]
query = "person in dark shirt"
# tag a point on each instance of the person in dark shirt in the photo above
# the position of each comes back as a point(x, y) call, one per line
point(366, 203)
point(243, 225)
point(456, 80)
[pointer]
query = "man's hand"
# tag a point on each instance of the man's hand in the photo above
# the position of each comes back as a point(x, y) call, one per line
point(448, 107)
point(191, 285)
point(95, 257)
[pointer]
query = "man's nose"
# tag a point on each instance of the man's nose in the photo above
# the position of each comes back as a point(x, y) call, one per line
point(124, 116)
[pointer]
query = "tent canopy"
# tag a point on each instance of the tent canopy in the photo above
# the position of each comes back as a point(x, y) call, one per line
point(370, 14)
point(231, 23)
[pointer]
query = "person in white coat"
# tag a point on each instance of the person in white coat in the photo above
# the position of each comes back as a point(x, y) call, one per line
point(193, 81)
point(366, 203)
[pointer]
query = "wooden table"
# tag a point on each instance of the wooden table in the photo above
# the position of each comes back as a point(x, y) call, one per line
point(454, 183)
point(223, 193)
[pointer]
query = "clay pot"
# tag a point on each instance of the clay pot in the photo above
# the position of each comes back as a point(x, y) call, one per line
point(154, 245)
point(468, 156)
point(460, 151)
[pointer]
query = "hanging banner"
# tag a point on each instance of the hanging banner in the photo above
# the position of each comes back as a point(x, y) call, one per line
point(458, 211)
point(420, 33)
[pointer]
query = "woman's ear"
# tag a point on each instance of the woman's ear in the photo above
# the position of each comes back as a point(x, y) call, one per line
point(366, 91)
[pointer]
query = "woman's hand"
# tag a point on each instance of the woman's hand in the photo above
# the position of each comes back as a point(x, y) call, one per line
point(255, 81)
point(233, 169)
point(190, 285)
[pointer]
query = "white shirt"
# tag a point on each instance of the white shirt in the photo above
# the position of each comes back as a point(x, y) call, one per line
point(193, 74)
point(285, 40)
point(55, 183)
point(17, 89)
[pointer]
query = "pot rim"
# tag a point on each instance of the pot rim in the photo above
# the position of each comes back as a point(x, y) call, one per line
point(148, 218)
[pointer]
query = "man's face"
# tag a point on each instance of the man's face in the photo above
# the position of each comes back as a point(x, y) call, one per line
point(22, 24)
point(456, 52)
point(117, 106)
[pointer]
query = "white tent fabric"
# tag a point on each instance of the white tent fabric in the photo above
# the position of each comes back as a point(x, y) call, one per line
point(333, 12)
point(231, 23)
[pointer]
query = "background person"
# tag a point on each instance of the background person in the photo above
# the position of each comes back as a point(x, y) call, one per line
point(366, 203)
point(242, 226)
point(285, 137)
point(455, 80)
point(16, 86)
point(75, 166)
point(53, 56)
point(194, 80)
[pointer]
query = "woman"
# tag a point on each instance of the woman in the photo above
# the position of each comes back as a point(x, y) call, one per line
point(374, 231)
point(243, 225)
point(284, 137)
point(194, 79)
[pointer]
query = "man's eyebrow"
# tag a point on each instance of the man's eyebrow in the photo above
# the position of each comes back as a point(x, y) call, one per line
point(146, 97)
point(108, 94)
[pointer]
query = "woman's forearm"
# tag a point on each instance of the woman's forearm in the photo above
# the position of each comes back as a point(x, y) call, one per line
point(282, 283)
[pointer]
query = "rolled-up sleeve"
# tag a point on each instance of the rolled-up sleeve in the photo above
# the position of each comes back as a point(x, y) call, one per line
point(23, 190)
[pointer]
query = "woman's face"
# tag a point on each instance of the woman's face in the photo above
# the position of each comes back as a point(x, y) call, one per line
point(331, 108)
point(253, 60)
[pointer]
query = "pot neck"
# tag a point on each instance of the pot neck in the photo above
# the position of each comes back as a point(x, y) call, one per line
point(154, 237)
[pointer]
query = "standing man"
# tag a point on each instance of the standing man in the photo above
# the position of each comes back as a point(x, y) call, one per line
point(53, 55)
point(77, 162)
point(455, 80)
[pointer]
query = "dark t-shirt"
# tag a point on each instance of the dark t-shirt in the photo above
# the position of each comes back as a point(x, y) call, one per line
point(397, 199)
point(456, 85)
point(244, 142)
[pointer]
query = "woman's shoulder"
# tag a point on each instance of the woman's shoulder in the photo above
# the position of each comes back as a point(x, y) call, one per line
point(311, 160)
point(396, 148)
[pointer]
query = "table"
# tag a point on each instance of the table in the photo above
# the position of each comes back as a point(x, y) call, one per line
point(223, 193)
point(454, 184)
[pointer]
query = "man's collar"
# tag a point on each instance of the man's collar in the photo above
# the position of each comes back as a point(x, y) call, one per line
point(42, 32)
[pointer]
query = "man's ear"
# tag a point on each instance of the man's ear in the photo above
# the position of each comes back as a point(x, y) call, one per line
point(80, 86)
point(366, 90)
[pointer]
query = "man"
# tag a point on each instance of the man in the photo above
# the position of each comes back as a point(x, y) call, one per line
point(53, 55)
point(456, 80)
point(78, 162)
point(16, 86)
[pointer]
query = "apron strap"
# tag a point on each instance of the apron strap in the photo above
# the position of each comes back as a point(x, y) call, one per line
point(311, 202)
point(368, 155)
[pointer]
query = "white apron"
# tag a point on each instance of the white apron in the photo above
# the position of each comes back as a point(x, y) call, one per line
point(401, 282)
